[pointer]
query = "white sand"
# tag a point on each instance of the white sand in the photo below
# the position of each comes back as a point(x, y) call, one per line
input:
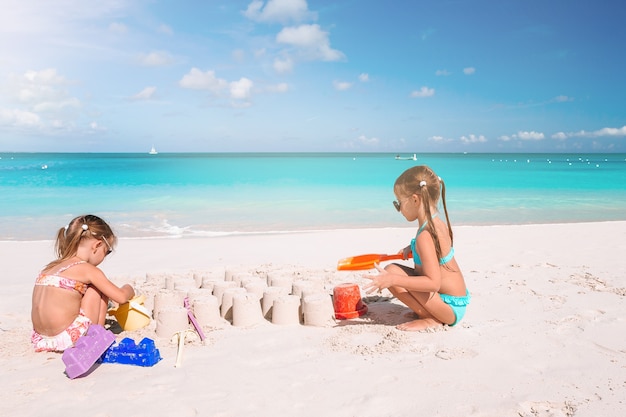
point(543, 336)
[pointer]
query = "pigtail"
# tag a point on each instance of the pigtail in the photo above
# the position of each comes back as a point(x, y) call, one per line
point(426, 202)
point(66, 245)
point(60, 243)
point(445, 210)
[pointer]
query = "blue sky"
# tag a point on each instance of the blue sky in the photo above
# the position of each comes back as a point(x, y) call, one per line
point(297, 75)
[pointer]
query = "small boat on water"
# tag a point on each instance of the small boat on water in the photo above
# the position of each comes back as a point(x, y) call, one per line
point(153, 151)
point(407, 158)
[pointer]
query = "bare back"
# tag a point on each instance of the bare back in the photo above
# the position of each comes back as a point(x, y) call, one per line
point(57, 297)
point(452, 281)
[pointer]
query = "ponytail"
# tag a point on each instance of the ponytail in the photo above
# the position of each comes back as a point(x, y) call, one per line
point(69, 237)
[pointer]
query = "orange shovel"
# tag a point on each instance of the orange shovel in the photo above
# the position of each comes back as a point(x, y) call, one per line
point(360, 262)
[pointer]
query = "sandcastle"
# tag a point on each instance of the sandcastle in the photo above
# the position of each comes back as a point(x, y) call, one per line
point(223, 297)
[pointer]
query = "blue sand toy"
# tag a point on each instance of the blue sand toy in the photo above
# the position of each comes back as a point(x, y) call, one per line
point(128, 353)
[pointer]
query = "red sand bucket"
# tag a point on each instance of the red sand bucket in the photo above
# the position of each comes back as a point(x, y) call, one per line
point(347, 302)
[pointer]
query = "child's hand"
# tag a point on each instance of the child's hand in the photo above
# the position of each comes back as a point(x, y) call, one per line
point(379, 282)
point(406, 252)
point(137, 294)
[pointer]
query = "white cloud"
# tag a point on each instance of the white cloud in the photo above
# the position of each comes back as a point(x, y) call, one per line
point(43, 91)
point(283, 65)
point(118, 28)
point(310, 41)
point(308, 36)
point(469, 70)
point(473, 139)
point(442, 73)
point(58, 124)
point(281, 11)
point(96, 128)
point(609, 131)
point(241, 90)
point(198, 80)
point(145, 94)
point(35, 87)
point(33, 93)
point(530, 135)
point(423, 92)
point(562, 99)
point(42, 100)
point(341, 85)
point(55, 106)
point(364, 77)
point(18, 118)
point(368, 141)
point(155, 59)
point(604, 132)
point(30, 93)
point(523, 135)
point(439, 139)
point(46, 76)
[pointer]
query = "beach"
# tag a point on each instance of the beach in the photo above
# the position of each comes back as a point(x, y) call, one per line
point(543, 335)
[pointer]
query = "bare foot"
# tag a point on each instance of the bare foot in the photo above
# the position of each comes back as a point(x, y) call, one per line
point(419, 325)
point(411, 315)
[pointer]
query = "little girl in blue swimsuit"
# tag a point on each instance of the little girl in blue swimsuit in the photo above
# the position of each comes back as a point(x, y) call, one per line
point(71, 292)
point(435, 288)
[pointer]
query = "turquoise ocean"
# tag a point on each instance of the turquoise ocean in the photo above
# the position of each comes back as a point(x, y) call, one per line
point(196, 194)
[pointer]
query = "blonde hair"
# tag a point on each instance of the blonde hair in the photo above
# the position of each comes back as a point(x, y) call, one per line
point(421, 180)
point(81, 227)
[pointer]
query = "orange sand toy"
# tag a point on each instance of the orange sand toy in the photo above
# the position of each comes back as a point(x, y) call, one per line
point(347, 302)
point(356, 263)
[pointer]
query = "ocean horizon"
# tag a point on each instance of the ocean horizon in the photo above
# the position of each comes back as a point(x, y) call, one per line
point(218, 194)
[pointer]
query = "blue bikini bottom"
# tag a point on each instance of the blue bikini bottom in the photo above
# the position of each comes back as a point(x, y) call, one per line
point(458, 304)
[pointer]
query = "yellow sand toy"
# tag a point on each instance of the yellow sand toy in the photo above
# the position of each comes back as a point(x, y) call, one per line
point(132, 315)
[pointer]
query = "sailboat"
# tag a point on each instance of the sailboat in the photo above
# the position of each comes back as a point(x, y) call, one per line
point(153, 151)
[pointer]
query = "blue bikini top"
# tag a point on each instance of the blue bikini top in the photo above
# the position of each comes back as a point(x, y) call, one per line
point(416, 257)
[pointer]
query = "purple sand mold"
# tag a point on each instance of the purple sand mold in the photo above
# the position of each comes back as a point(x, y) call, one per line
point(128, 353)
point(79, 358)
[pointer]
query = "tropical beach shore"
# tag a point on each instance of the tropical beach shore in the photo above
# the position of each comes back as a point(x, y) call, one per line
point(543, 336)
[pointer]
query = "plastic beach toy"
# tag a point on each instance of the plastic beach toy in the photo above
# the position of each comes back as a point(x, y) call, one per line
point(192, 318)
point(361, 262)
point(127, 352)
point(79, 358)
point(132, 315)
point(181, 335)
point(347, 302)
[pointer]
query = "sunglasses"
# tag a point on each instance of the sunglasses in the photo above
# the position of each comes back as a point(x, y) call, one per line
point(104, 239)
point(398, 203)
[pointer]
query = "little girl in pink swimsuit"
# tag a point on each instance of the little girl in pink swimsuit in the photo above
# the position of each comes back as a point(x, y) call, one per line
point(71, 292)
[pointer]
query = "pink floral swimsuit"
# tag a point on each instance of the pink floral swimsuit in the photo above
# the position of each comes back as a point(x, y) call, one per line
point(77, 328)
